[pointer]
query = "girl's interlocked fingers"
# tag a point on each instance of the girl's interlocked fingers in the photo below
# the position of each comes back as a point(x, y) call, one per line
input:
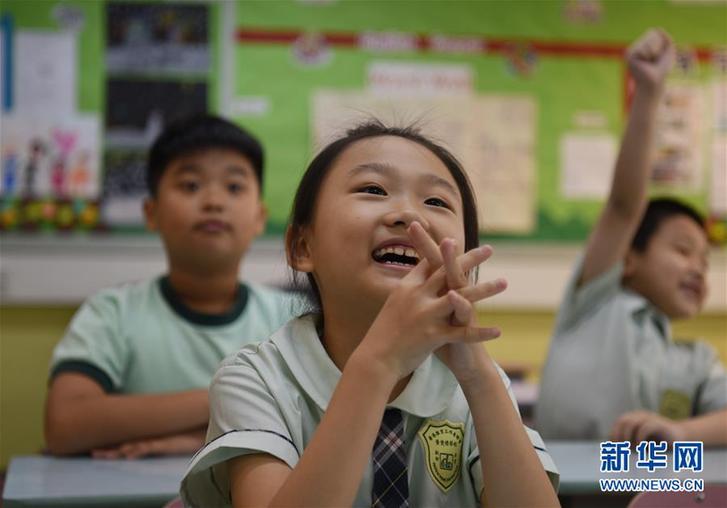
point(432, 253)
point(483, 290)
point(463, 308)
point(453, 274)
point(451, 270)
point(456, 277)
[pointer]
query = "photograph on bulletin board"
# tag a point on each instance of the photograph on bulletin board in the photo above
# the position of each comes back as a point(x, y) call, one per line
point(137, 110)
point(124, 188)
point(154, 37)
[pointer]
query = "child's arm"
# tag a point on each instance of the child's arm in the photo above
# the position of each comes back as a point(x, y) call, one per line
point(413, 323)
point(507, 455)
point(649, 60)
point(348, 429)
point(176, 444)
point(508, 459)
point(637, 426)
point(80, 416)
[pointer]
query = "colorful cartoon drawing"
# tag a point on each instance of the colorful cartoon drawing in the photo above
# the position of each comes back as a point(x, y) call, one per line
point(65, 218)
point(37, 151)
point(521, 59)
point(79, 176)
point(64, 141)
point(31, 213)
point(312, 49)
point(58, 177)
point(8, 214)
point(10, 172)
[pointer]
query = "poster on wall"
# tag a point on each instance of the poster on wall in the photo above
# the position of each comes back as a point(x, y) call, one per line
point(124, 188)
point(55, 158)
point(492, 135)
point(50, 172)
point(503, 130)
point(587, 160)
point(158, 37)
point(138, 110)
point(679, 141)
point(44, 73)
point(4, 69)
point(718, 188)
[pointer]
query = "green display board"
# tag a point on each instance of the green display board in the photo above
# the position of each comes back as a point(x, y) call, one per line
point(270, 59)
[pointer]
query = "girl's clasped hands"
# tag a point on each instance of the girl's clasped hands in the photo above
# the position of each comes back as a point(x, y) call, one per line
point(433, 310)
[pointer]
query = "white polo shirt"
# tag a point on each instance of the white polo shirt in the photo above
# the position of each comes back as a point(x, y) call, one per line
point(611, 353)
point(270, 397)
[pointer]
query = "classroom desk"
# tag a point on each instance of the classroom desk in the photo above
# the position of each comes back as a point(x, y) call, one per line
point(49, 481)
point(579, 465)
point(85, 482)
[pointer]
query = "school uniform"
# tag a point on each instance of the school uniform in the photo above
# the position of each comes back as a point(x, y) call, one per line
point(140, 338)
point(270, 398)
point(611, 353)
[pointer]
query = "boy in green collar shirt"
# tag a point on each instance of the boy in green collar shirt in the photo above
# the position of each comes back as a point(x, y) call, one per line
point(130, 376)
point(613, 370)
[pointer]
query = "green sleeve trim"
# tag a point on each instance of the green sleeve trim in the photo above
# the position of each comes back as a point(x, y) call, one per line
point(87, 369)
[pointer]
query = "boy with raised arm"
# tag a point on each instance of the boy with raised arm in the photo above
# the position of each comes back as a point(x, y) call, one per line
point(613, 370)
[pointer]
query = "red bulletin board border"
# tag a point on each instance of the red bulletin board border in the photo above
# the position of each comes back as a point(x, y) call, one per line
point(424, 43)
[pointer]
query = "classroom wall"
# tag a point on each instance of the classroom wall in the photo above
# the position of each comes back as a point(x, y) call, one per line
point(28, 334)
point(561, 65)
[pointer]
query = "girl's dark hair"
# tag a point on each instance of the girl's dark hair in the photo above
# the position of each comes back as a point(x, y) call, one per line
point(200, 132)
point(657, 212)
point(310, 185)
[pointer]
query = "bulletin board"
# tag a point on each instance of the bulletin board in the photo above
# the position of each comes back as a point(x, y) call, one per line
point(90, 84)
point(532, 96)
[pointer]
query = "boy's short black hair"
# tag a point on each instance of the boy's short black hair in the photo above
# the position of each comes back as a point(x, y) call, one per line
point(200, 132)
point(657, 212)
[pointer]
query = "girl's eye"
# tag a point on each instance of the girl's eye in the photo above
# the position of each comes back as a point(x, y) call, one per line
point(436, 202)
point(373, 189)
point(189, 186)
point(235, 188)
point(683, 250)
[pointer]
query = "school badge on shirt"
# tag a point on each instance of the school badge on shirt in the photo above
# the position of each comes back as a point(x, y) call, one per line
point(675, 405)
point(442, 444)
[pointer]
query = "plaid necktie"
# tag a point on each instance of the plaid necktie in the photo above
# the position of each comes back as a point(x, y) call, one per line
point(391, 482)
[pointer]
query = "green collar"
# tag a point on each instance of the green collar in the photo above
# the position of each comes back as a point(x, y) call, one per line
point(641, 308)
point(200, 318)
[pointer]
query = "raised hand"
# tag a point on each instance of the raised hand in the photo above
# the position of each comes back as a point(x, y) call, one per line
point(650, 59)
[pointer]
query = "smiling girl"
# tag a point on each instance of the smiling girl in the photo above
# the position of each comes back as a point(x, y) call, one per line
point(384, 396)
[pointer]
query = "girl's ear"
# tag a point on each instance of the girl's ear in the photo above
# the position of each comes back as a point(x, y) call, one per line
point(150, 214)
point(297, 249)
